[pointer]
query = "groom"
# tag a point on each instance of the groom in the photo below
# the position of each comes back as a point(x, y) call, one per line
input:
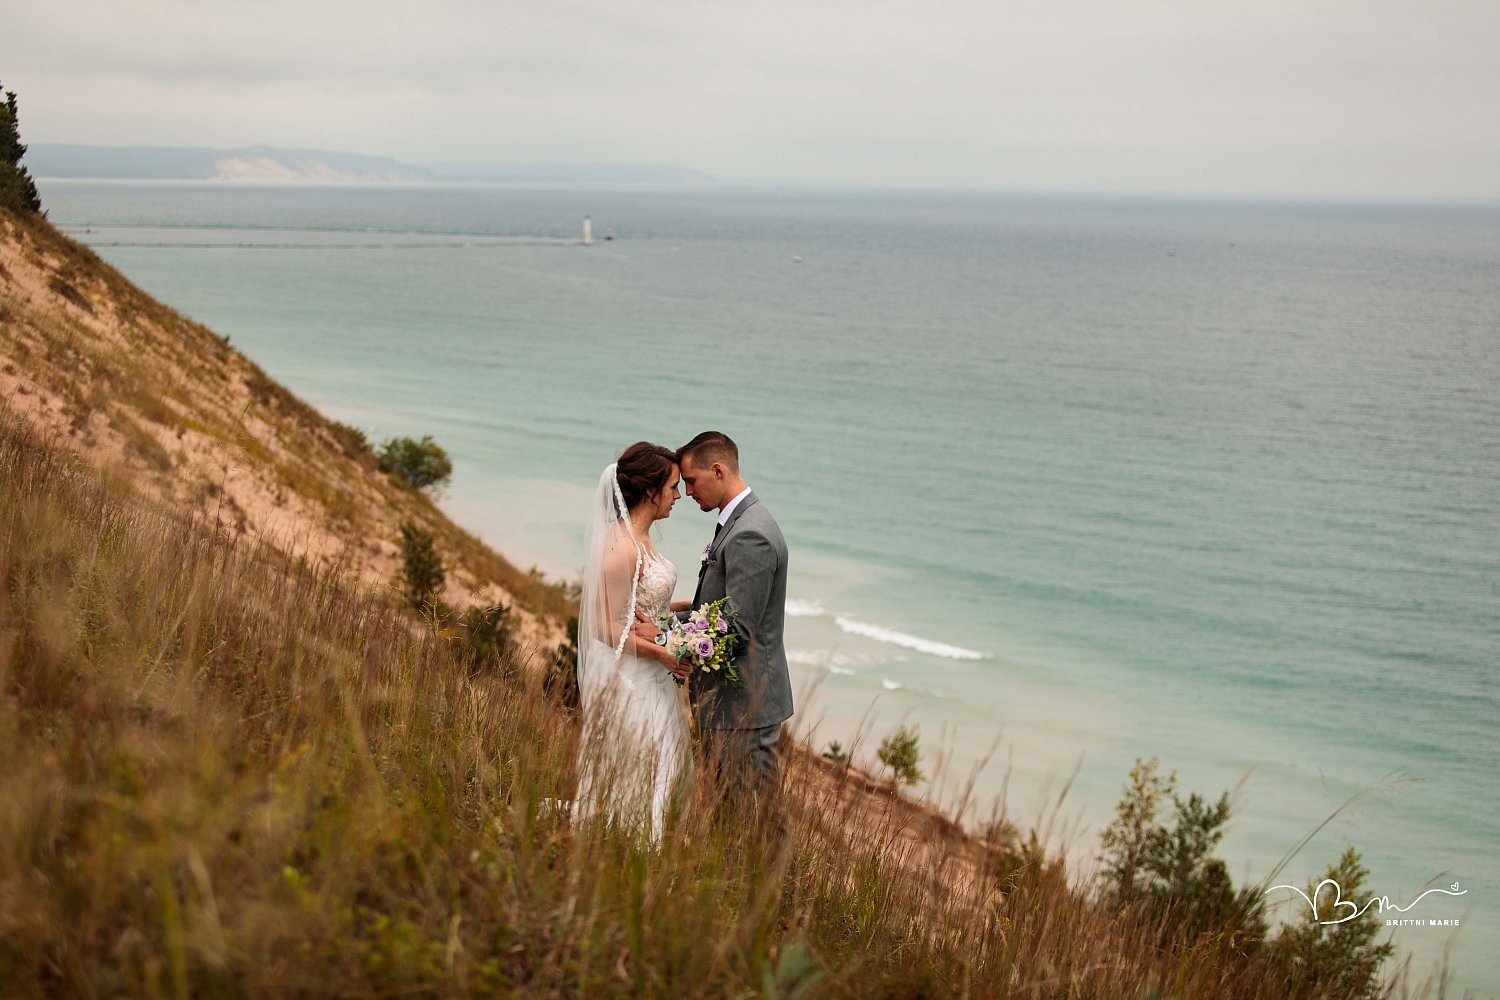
point(740, 727)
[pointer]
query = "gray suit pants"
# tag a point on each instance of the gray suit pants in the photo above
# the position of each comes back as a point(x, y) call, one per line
point(746, 764)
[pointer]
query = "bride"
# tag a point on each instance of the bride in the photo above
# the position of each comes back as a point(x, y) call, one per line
point(635, 746)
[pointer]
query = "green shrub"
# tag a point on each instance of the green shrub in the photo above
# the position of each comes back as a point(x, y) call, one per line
point(487, 635)
point(422, 572)
point(898, 752)
point(836, 753)
point(419, 464)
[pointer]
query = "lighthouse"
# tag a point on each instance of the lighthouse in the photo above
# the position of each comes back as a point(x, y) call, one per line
point(588, 230)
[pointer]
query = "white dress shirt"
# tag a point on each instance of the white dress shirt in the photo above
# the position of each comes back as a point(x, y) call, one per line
point(731, 505)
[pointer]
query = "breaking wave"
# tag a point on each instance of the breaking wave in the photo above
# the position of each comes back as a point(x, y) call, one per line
point(796, 608)
point(930, 647)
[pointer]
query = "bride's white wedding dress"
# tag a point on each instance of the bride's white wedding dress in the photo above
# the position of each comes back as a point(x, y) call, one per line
point(636, 736)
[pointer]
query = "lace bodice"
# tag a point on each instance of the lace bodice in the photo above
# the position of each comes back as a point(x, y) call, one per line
point(658, 580)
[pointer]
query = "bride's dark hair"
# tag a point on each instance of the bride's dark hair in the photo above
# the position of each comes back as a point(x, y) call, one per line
point(642, 470)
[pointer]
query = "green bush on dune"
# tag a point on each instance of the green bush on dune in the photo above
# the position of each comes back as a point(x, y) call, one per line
point(898, 752)
point(422, 573)
point(1169, 872)
point(420, 464)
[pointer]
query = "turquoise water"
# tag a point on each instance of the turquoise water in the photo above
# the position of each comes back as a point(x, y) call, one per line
point(1095, 479)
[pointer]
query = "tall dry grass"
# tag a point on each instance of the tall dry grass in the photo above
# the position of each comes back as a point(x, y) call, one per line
point(225, 774)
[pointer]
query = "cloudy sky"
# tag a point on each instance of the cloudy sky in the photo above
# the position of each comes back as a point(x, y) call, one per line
point(1340, 97)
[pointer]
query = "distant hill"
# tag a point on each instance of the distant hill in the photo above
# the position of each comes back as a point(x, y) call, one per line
point(247, 163)
point(268, 163)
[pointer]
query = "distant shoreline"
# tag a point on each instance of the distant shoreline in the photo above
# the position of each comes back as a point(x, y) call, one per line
point(269, 164)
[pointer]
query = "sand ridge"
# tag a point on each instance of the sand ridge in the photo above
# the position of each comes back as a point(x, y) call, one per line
point(164, 403)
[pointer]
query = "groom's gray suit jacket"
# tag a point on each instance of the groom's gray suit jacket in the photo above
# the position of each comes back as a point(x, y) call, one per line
point(747, 564)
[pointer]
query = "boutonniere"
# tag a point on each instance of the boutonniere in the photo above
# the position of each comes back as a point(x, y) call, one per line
point(710, 555)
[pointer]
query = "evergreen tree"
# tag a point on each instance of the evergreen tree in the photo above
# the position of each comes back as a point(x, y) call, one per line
point(1337, 959)
point(17, 190)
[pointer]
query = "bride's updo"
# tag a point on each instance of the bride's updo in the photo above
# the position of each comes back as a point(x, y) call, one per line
point(642, 470)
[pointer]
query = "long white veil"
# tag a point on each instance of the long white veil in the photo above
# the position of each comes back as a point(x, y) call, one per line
point(602, 629)
point(634, 748)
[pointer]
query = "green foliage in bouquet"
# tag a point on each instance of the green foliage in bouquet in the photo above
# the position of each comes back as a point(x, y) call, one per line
point(707, 637)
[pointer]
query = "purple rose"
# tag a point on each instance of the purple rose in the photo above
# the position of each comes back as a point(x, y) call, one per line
point(703, 646)
point(723, 626)
point(690, 627)
point(700, 624)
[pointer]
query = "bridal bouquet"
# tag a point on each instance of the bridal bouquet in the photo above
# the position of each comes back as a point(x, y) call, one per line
point(704, 637)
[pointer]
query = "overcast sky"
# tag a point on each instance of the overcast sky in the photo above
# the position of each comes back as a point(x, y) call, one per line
point(1341, 97)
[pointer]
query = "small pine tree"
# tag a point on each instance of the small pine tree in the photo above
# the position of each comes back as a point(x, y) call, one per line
point(420, 464)
point(1135, 837)
point(1339, 959)
point(1173, 868)
point(422, 570)
point(898, 752)
point(17, 190)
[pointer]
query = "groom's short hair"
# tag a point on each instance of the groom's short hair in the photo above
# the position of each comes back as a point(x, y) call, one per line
point(708, 448)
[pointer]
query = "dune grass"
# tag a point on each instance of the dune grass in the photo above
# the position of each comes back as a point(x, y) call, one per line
point(228, 773)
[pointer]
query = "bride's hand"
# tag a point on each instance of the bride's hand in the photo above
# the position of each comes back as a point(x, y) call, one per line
point(645, 634)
